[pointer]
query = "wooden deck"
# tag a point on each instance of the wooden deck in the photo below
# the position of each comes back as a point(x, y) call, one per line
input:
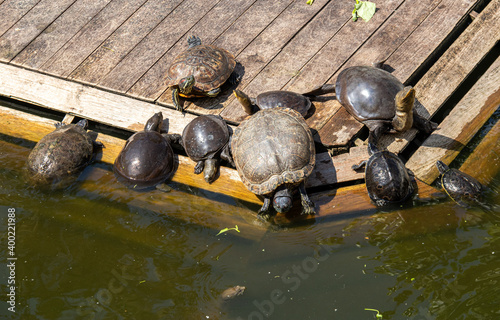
point(106, 60)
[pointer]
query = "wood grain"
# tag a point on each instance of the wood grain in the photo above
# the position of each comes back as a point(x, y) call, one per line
point(12, 11)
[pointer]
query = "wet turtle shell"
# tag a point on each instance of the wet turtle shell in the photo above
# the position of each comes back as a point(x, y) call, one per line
point(274, 99)
point(387, 179)
point(62, 154)
point(458, 185)
point(205, 139)
point(379, 100)
point(274, 149)
point(147, 157)
point(201, 68)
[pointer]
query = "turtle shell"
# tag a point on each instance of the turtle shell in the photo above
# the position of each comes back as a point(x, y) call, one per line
point(272, 148)
point(368, 93)
point(61, 154)
point(146, 159)
point(211, 67)
point(387, 179)
point(284, 99)
point(459, 185)
point(204, 137)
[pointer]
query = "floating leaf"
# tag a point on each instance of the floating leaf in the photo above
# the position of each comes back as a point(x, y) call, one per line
point(378, 315)
point(310, 2)
point(227, 229)
point(363, 9)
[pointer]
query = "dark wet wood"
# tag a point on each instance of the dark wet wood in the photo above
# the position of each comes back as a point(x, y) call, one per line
point(58, 33)
point(30, 26)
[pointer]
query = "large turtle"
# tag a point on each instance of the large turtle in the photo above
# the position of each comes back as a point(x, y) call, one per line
point(274, 153)
point(205, 140)
point(62, 154)
point(458, 185)
point(387, 179)
point(147, 158)
point(200, 71)
point(281, 99)
point(379, 100)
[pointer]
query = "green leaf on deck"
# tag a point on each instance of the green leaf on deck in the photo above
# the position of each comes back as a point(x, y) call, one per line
point(310, 2)
point(363, 9)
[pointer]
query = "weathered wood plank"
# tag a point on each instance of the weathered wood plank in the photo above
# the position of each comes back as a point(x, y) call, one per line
point(443, 78)
point(85, 101)
point(79, 47)
point(155, 44)
point(12, 11)
point(264, 48)
point(456, 130)
point(122, 41)
point(30, 26)
point(58, 33)
point(153, 83)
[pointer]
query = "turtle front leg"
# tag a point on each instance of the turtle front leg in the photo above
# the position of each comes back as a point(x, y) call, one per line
point(307, 204)
point(200, 165)
point(264, 211)
point(175, 99)
point(376, 132)
point(213, 93)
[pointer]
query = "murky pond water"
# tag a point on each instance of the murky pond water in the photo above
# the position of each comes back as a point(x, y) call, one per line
point(94, 252)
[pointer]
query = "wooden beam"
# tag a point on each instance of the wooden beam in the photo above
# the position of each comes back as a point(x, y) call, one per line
point(456, 130)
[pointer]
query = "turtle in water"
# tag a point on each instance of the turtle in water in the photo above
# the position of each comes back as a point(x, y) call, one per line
point(205, 140)
point(147, 158)
point(231, 293)
point(60, 156)
point(459, 186)
point(379, 100)
point(200, 71)
point(387, 179)
point(274, 153)
point(281, 99)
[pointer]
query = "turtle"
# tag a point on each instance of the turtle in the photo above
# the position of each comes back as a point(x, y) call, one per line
point(387, 179)
point(60, 156)
point(231, 293)
point(199, 71)
point(379, 100)
point(460, 186)
point(281, 99)
point(147, 158)
point(205, 140)
point(274, 153)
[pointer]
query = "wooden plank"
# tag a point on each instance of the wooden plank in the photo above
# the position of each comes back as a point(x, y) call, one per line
point(30, 26)
point(462, 123)
point(451, 69)
point(155, 44)
point(84, 101)
point(384, 42)
point(12, 11)
point(262, 49)
point(58, 33)
point(153, 83)
point(79, 47)
point(122, 41)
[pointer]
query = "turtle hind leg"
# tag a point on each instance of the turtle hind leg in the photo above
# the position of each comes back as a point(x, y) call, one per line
point(422, 124)
point(193, 41)
point(264, 212)
point(307, 204)
point(226, 155)
point(213, 93)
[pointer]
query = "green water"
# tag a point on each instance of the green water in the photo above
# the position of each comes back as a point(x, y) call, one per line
point(85, 253)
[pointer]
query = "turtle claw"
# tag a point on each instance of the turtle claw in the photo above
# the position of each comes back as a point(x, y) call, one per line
point(199, 167)
point(308, 208)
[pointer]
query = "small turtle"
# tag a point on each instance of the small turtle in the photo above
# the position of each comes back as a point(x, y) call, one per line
point(147, 157)
point(205, 140)
point(379, 100)
point(458, 185)
point(62, 154)
point(274, 153)
point(200, 71)
point(232, 292)
point(281, 99)
point(387, 179)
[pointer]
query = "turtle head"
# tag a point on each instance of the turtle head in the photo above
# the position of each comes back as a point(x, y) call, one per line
point(282, 201)
point(186, 84)
point(404, 101)
point(442, 167)
point(83, 123)
point(244, 100)
point(154, 123)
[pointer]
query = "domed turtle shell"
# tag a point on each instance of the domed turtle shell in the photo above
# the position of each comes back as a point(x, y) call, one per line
point(458, 185)
point(204, 137)
point(387, 179)
point(367, 92)
point(61, 154)
point(272, 148)
point(147, 157)
point(211, 67)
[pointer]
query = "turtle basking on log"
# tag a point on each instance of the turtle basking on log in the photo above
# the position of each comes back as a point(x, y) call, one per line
point(200, 71)
point(379, 100)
